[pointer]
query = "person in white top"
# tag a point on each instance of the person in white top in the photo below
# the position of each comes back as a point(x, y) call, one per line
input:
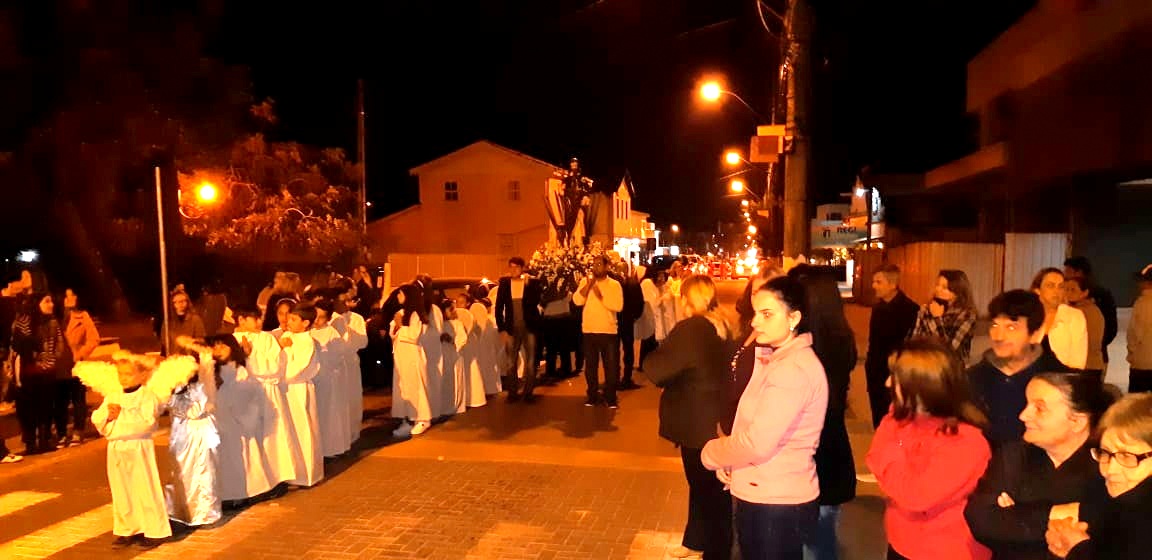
point(602, 298)
point(301, 365)
point(1065, 331)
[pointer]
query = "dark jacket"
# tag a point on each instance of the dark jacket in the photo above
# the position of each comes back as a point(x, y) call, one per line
point(39, 341)
point(1118, 526)
point(1002, 396)
point(890, 324)
point(835, 466)
point(633, 304)
point(691, 366)
point(505, 316)
point(1025, 473)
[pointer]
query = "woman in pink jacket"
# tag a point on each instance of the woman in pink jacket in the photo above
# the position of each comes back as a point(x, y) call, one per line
point(928, 454)
point(768, 461)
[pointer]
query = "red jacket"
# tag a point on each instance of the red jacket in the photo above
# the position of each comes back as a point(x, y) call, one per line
point(927, 477)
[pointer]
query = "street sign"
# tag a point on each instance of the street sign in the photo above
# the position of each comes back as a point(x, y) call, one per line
point(835, 234)
point(767, 145)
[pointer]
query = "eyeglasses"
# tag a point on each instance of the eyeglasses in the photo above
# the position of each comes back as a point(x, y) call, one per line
point(1126, 459)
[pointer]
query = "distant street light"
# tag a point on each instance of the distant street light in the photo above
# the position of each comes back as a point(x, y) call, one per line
point(207, 193)
point(736, 185)
point(752, 230)
point(744, 203)
point(675, 228)
point(732, 157)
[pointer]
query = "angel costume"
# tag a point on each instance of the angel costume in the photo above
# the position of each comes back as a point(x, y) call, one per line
point(473, 382)
point(137, 497)
point(455, 384)
point(488, 349)
point(193, 495)
point(434, 364)
point(410, 397)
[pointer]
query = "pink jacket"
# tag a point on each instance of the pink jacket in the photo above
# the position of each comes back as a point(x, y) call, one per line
point(777, 428)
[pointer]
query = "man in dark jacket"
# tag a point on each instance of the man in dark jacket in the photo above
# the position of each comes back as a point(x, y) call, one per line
point(1000, 379)
point(893, 317)
point(626, 321)
point(1079, 267)
point(519, 322)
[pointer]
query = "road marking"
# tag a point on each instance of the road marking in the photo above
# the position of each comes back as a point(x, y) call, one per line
point(60, 536)
point(13, 502)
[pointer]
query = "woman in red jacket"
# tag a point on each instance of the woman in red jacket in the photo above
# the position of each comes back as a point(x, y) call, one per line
point(928, 454)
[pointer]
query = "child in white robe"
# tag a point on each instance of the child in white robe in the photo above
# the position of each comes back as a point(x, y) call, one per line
point(301, 364)
point(489, 349)
point(331, 384)
point(263, 362)
point(193, 495)
point(432, 341)
point(135, 389)
point(454, 384)
point(354, 329)
point(240, 409)
point(473, 382)
point(411, 401)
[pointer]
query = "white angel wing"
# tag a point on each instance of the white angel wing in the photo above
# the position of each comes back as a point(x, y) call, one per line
point(102, 377)
point(171, 374)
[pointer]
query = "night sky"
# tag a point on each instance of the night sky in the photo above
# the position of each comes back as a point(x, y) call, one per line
point(612, 82)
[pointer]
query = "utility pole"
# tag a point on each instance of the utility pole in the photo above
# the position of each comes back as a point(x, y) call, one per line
point(798, 26)
point(361, 156)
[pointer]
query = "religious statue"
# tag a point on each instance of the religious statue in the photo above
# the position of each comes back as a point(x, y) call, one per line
point(573, 194)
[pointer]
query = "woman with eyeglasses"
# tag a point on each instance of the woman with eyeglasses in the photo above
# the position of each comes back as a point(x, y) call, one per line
point(1113, 524)
point(1027, 481)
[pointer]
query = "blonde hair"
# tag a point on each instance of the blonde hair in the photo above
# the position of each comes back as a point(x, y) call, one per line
point(698, 293)
point(1131, 416)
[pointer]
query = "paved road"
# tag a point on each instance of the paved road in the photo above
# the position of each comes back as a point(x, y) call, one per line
point(554, 480)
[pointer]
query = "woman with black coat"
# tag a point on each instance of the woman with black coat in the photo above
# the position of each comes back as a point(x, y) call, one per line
point(691, 366)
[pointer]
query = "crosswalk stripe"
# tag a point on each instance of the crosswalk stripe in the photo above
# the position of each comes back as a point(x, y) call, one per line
point(13, 502)
point(60, 536)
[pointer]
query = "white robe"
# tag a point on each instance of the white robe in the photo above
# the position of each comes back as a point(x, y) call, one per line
point(490, 350)
point(137, 498)
point(301, 364)
point(356, 337)
point(278, 435)
point(242, 408)
point(332, 392)
point(645, 326)
point(455, 386)
point(473, 381)
point(410, 398)
point(434, 364)
point(193, 495)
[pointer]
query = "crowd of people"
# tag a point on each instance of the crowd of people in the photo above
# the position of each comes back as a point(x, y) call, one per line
point(1026, 454)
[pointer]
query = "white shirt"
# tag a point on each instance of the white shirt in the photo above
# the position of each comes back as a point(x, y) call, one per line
point(600, 314)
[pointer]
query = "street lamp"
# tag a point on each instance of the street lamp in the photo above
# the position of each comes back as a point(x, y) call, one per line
point(207, 193)
point(752, 230)
point(744, 203)
point(736, 185)
point(711, 91)
point(732, 157)
point(675, 228)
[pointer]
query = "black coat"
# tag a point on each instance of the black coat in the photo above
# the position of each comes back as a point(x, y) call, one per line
point(1117, 526)
point(1025, 473)
point(506, 317)
point(691, 366)
point(835, 466)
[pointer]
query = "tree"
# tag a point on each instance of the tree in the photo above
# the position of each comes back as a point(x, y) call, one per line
point(293, 196)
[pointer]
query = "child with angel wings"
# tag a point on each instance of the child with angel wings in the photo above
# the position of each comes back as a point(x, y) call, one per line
point(135, 389)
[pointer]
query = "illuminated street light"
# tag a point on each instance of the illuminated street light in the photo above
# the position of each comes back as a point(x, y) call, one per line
point(744, 203)
point(732, 157)
point(736, 185)
point(207, 193)
point(675, 228)
point(752, 230)
point(711, 91)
